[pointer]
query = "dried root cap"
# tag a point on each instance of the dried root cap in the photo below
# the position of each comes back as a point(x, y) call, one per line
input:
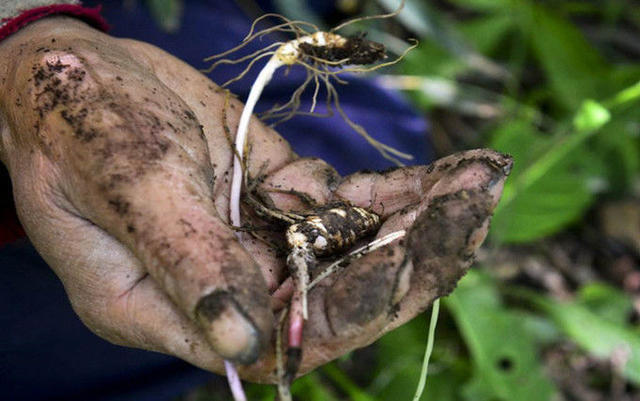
point(332, 48)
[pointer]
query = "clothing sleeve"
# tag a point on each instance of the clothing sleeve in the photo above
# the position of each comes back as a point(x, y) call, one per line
point(15, 14)
point(13, 8)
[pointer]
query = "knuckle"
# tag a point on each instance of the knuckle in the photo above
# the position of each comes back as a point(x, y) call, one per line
point(57, 79)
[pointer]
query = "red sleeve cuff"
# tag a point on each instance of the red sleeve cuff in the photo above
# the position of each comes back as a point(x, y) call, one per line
point(10, 228)
point(89, 15)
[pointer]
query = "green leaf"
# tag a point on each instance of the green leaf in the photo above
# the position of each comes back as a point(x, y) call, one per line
point(619, 142)
point(504, 352)
point(541, 208)
point(596, 335)
point(591, 116)
point(607, 302)
point(346, 384)
point(255, 392)
point(619, 147)
point(547, 189)
point(399, 355)
point(167, 13)
point(429, 24)
point(311, 388)
point(431, 59)
point(554, 187)
point(574, 68)
point(541, 329)
point(483, 5)
point(626, 96)
point(487, 32)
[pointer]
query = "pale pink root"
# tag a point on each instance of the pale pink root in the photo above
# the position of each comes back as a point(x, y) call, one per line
point(294, 346)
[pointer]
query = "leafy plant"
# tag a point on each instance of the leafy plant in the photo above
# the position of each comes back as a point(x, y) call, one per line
point(557, 86)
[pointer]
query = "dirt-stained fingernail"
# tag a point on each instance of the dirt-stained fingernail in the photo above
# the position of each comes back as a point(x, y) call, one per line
point(501, 165)
point(229, 330)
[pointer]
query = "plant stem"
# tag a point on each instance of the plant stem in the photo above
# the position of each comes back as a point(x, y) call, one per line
point(427, 354)
point(234, 382)
point(236, 186)
point(241, 137)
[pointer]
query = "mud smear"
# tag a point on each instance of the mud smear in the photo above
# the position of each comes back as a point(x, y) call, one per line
point(439, 239)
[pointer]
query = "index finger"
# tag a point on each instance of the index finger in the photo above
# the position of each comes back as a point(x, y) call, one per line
point(391, 191)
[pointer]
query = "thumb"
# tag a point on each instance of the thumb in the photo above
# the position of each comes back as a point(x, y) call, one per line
point(140, 170)
point(166, 217)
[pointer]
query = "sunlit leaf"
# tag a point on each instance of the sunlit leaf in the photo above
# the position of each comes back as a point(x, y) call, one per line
point(591, 116)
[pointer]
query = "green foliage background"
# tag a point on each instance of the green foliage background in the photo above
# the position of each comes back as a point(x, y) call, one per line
point(566, 108)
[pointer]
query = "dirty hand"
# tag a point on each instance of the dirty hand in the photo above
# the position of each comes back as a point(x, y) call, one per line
point(120, 167)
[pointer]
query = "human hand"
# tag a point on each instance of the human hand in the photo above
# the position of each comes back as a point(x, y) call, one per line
point(120, 168)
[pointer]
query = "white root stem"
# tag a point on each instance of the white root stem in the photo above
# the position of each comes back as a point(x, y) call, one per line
point(241, 137)
point(236, 185)
point(234, 382)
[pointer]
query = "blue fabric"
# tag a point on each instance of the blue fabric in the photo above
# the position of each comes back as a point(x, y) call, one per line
point(210, 27)
point(45, 351)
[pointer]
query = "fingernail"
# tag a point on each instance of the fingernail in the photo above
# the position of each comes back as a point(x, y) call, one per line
point(229, 330)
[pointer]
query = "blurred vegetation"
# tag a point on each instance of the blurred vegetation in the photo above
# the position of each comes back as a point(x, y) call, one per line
point(550, 312)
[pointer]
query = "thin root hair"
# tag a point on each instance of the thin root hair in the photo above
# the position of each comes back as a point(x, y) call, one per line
point(243, 58)
point(282, 113)
point(327, 62)
point(370, 17)
point(291, 26)
point(246, 70)
point(278, 117)
point(325, 71)
point(294, 100)
point(316, 89)
point(294, 24)
point(385, 150)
